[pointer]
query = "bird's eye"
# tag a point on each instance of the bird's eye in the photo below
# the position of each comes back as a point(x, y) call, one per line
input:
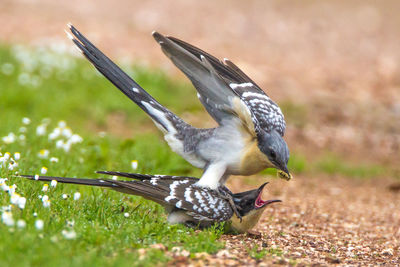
point(272, 154)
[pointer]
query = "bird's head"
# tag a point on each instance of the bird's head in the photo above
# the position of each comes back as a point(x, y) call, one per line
point(250, 206)
point(275, 148)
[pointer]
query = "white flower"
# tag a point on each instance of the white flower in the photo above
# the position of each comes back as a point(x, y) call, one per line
point(46, 203)
point(43, 154)
point(134, 164)
point(126, 214)
point(9, 139)
point(41, 129)
point(77, 196)
point(36, 177)
point(7, 218)
point(7, 155)
point(6, 208)
point(75, 139)
point(53, 183)
point(62, 124)
point(21, 223)
point(45, 187)
point(39, 224)
point(114, 177)
point(14, 198)
point(53, 159)
point(67, 132)
point(26, 121)
point(64, 196)
point(22, 137)
point(55, 133)
point(17, 155)
point(34, 214)
point(43, 170)
point(5, 187)
point(11, 189)
point(70, 223)
point(69, 234)
point(60, 144)
point(21, 202)
point(7, 68)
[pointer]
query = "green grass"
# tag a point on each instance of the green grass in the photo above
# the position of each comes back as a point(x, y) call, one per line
point(42, 84)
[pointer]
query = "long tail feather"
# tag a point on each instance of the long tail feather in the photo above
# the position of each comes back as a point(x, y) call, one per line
point(123, 82)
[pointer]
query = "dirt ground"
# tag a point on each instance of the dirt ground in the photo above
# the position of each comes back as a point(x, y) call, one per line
point(334, 65)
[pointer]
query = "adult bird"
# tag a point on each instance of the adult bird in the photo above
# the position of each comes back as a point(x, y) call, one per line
point(184, 202)
point(249, 136)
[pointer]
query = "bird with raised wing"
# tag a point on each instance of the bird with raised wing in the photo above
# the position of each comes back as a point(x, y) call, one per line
point(249, 137)
point(184, 202)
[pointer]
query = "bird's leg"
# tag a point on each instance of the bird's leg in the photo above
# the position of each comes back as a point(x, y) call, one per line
point(226, 194)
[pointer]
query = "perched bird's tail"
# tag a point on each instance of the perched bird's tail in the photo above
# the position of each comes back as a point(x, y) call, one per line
point(164, 119)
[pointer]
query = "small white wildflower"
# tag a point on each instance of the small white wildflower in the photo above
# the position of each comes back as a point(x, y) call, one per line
point(21, 223)
point(75, 139)
point(45, 198)
point(64, 196)
point(53, 183)
point(7, 218)
point(60, 144)
point(21, 202)
point(11, 189)
point(6, 208)
point(5, 187)
point(69, 234)
point(67, 132)
point(9, 139)
point(35, 214)
point(22, 129)
point(17, 155)
point(39, 224)
point(134, 164)
point(41, 130)
point(11, 166)
point(46, 203)
point(14, 198)
point(26, 121)
point(67, 146)
point(62, 124)
point(7, 155)
point(36, 177)
point(77, 196)
point(43, 170)
point(45, 187)
point(43, 154)
point(55, 133)
point(70, 223)
point(114, 177)
point(22, 137)
point(7, 68)
point(126, 214)
point(53, 159)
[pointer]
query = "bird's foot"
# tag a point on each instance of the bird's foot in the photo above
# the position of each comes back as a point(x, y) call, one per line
point(226, 194)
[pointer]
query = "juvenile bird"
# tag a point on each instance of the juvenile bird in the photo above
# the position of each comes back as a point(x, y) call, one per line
point(184, 202)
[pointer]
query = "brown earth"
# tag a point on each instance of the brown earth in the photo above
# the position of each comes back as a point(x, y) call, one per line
point(334, 68)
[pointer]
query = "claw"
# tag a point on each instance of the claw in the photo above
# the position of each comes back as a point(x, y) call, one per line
point(226, 194)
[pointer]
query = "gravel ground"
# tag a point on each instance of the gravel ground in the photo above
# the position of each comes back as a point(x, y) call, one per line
point(322, 221)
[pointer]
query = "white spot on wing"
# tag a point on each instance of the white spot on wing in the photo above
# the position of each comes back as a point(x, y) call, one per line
point(237, 85)
point(135, 90)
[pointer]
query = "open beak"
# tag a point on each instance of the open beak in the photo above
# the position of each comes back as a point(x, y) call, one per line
point(260, 203)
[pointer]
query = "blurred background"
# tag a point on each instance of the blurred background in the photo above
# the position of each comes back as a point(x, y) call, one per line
point(333, 66)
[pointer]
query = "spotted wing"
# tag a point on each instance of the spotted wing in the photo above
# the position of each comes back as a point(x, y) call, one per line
point(179, 191)
point(266, 114)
